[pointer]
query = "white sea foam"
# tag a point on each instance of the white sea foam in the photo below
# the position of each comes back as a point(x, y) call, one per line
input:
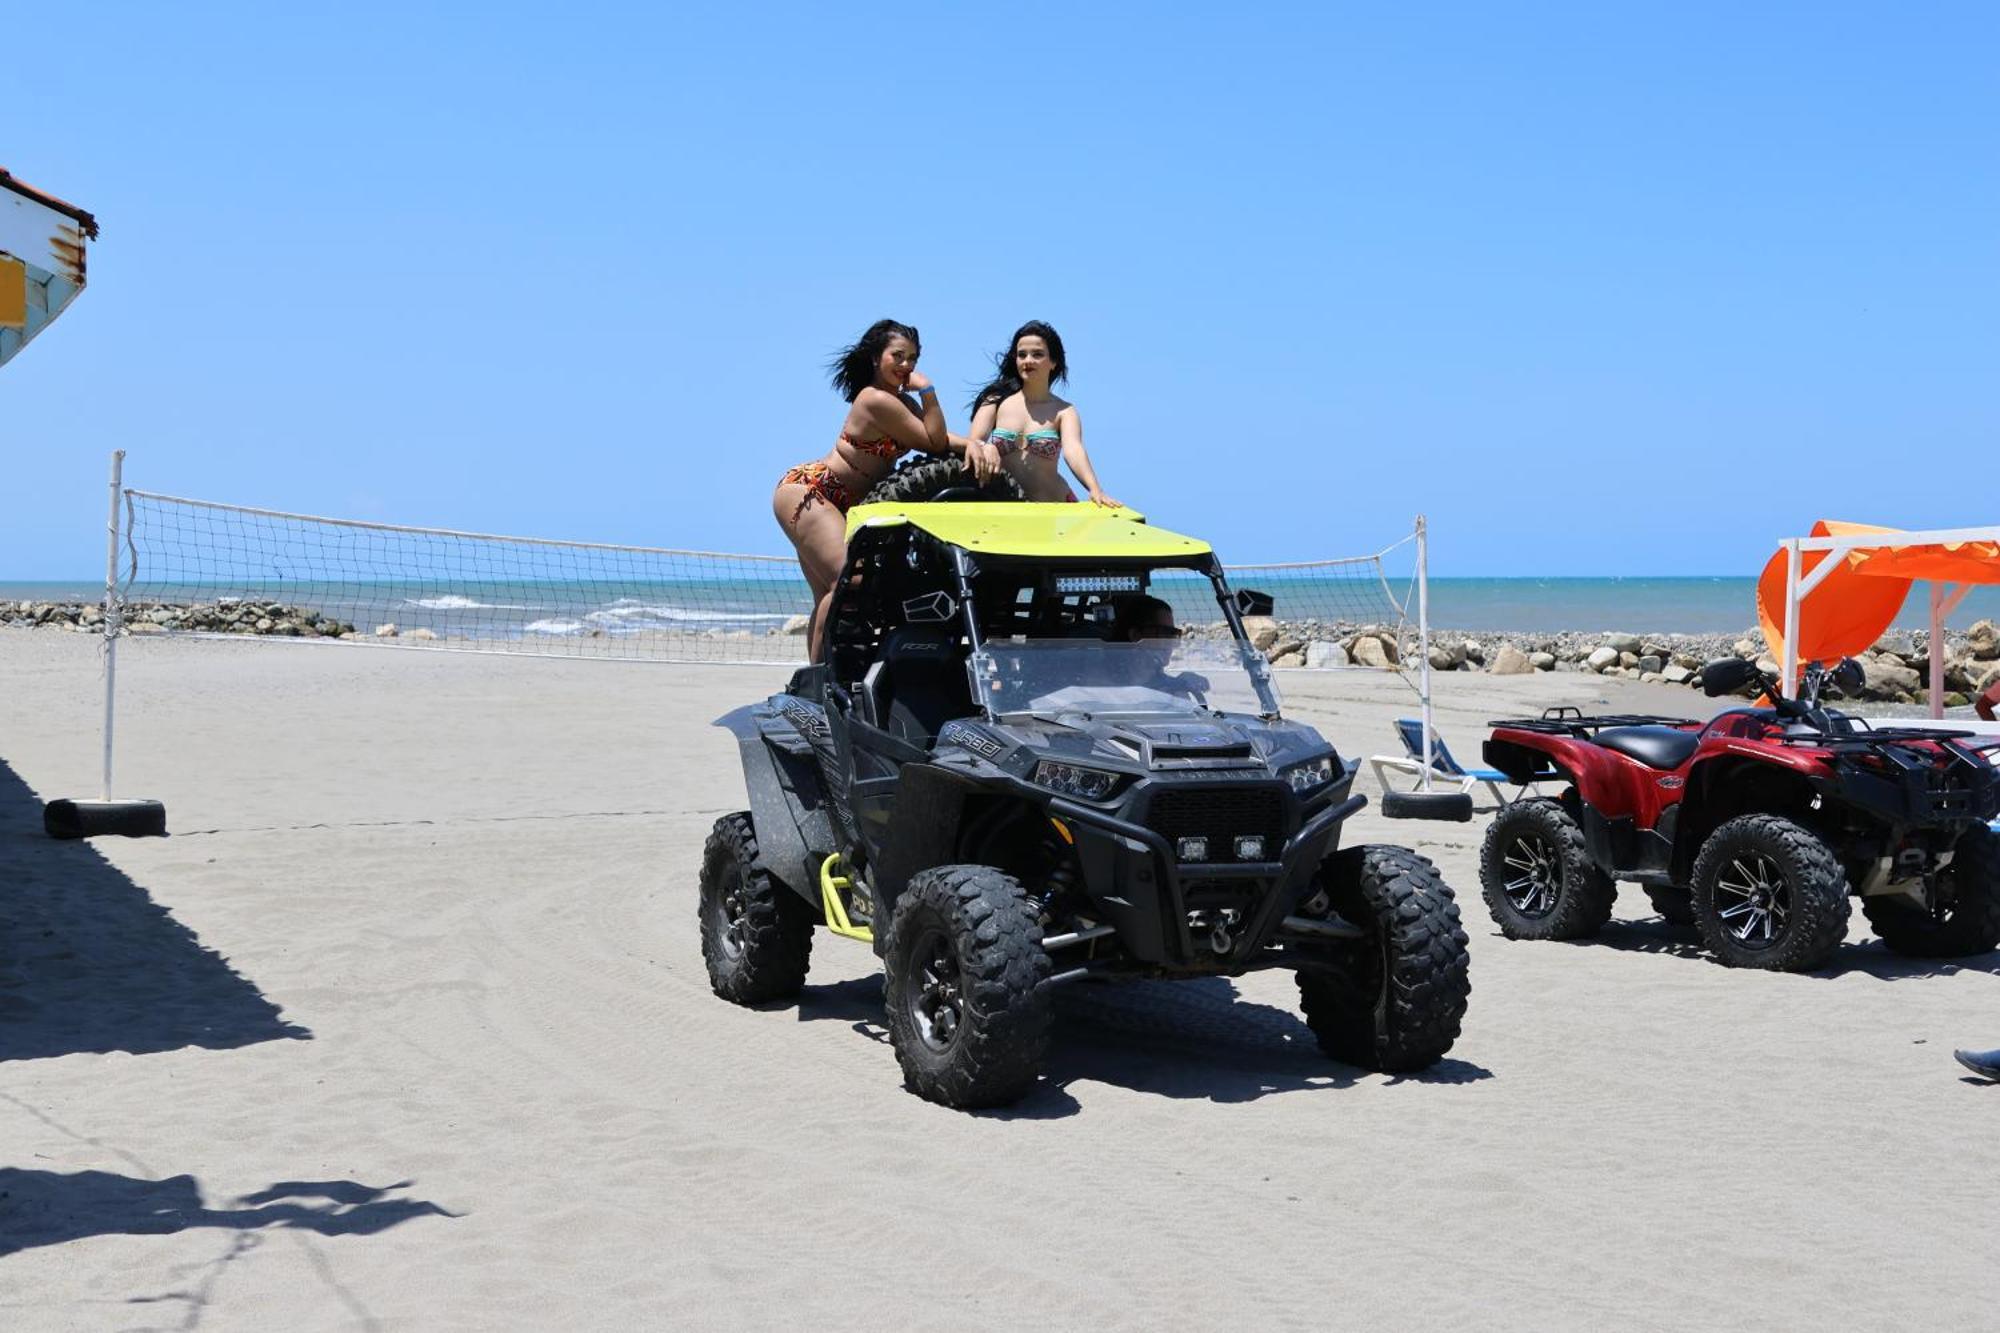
point(553, 627)
point(451, 601)
point(627, 616)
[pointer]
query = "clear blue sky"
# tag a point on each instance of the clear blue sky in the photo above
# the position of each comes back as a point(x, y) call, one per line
point(1602, 288)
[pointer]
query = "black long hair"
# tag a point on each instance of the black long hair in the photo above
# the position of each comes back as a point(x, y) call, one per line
point(1008, 379)
point(853, 368)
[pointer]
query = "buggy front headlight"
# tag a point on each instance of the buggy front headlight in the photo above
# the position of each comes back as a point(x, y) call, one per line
point(1313, 773)
point(1090, 784)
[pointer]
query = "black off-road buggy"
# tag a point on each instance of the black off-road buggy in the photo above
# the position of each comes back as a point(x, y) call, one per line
point(978, 780)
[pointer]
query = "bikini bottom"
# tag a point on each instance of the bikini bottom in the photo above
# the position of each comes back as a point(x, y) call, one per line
point(820, 484)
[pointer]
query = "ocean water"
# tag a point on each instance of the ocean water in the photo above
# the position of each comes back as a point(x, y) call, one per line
point(531, 608)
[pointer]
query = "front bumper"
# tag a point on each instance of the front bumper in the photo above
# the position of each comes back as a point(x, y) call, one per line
point(1139, 888)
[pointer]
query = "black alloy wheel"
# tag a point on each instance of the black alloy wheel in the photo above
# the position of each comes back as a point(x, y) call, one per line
point(935, 994)
point(1753, 901)
point(1535, 874)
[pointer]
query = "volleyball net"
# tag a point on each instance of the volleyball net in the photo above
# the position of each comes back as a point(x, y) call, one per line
point(199, 567)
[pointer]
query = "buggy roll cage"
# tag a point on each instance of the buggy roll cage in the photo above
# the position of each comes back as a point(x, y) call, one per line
point(872, 554)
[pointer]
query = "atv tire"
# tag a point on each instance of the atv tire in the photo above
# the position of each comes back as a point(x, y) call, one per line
point(1536, 875)
point(1970, 921)
point(963, 972)
point(756, 934)
point(1393, 1001)
point(1768, 893)
point(915, 483)
point(1675, 905)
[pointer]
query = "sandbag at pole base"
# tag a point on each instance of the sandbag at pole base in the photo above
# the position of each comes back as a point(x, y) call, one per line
point(91, 819)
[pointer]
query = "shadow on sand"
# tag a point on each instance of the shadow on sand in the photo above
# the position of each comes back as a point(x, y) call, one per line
point(49, 1208)
point(1868, 957)
point(90, 963)
point(1182, 1039)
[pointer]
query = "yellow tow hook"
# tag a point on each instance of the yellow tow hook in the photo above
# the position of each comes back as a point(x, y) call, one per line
point(834, 907)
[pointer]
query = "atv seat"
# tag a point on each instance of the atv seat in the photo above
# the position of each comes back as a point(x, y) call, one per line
point(1655, 747)
point(922, 683)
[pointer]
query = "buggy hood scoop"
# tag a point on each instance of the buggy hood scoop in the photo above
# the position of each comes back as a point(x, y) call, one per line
point(1194, 739)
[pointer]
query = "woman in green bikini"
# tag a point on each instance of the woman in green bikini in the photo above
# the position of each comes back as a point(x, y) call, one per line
point(1022, 418)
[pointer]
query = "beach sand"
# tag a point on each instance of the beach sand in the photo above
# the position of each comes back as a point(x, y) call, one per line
point(406, 1027)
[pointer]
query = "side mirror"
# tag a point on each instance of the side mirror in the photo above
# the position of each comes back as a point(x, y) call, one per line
point(1249, 603)
point(1727, 675)
point(1850, 677)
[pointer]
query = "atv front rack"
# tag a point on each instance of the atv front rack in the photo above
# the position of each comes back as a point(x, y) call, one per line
point(1569, 720)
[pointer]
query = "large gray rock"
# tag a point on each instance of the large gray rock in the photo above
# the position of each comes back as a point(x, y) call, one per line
point(1323, 653)
point(1746, 649)
point(1887, 676)
point(1983, 639)
point(1369, 651)
point(1650, 665)
point(1623, 643)
point(796, 625)
point(1510, 661)
point(1542, 661)
point(1263, 632)
point(1602, 658)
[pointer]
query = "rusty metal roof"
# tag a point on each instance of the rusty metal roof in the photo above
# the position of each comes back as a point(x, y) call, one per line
point(9, 181)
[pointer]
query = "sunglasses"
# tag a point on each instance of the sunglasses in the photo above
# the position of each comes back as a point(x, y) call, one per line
point(1158, 632)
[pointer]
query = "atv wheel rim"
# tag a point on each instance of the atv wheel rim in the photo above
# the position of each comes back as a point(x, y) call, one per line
point(730, 916)
point(937, 991)
point(1534, 876)
point(1753, 901)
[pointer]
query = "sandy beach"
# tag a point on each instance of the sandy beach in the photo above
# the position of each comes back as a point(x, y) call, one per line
point(406, 1026)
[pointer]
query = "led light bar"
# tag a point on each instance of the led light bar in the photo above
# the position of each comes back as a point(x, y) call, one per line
point(1069, 583)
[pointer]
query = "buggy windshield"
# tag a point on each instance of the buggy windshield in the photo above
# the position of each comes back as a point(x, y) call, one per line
point(1154, 676)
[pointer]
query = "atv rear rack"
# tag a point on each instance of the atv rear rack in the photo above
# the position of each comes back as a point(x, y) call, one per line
point(1569, 720)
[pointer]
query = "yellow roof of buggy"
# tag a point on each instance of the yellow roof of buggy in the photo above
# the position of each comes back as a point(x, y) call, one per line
point(1063, 530)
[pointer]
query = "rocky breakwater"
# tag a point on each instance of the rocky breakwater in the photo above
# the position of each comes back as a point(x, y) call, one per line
point(225, 616)
point(1897, 667)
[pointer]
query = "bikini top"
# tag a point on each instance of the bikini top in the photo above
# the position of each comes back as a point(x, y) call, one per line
point(885, 447)
point(1039, 444)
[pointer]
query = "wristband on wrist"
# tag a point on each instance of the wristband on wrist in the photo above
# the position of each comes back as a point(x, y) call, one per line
point(928, 388)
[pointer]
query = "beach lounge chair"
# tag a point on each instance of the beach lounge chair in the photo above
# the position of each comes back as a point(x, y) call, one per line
point(1445, 770)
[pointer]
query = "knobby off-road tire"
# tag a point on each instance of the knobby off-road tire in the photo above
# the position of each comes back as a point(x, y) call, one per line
point(962, 985)
point(1773, 878)
point(1536, 875)
point(1675, 905)
point(914, 483)
point(1394, 1001)
point(756, 934)
point(1970, 922)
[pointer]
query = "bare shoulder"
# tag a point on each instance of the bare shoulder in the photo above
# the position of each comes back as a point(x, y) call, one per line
point(873, 404)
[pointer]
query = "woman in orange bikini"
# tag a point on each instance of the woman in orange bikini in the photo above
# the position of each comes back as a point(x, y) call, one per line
point(892, 410)
point(1031, 427)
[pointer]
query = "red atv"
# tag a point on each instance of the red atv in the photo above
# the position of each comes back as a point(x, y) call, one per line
point(1754, 826)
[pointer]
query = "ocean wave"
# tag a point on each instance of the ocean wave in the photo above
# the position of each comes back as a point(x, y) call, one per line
point(629, 616)
point(451, 601)
point(553, 627)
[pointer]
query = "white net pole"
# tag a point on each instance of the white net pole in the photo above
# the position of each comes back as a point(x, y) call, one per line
point(111, 615)
point(1424, 642)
